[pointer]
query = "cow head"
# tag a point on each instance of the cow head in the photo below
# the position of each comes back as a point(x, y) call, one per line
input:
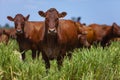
point(19, 22)
point(52, 19)
point(83, 41)
point(116, 30)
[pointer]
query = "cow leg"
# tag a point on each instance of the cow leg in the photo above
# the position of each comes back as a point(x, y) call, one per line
point(38, 54)
point(59, 62)
point(23, 54)
point(60, 59)
point(104, 44)
point(69, 54)
point(47, 63)
point(33, 54)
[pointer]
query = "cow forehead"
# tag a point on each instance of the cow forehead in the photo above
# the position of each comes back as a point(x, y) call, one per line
point(19, 18)
point(52, 14)
point(52, 10)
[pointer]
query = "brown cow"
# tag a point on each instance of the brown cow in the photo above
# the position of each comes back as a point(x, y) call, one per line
point(11, 32)
point(6, 34)
point(60, 36)
point(83, 36)
point(3, 36)
point(104, 33)
point(28, 36)
point(89, 33)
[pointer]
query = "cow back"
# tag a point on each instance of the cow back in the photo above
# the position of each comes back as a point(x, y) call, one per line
point(100, 31)
point(68, 33)
point(34, 31)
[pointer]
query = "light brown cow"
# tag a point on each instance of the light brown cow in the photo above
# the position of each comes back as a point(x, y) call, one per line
point(4, 38)
point(28, 34)
point(11, 32)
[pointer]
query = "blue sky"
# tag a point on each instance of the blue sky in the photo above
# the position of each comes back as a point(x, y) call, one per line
point(91, 11)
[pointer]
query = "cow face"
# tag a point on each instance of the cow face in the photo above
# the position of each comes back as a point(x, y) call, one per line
point(116, 30)
point(52, 19)
point(83, 40)
point(19, 22)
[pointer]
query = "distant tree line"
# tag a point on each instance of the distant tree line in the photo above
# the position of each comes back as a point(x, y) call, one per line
point(5, 26)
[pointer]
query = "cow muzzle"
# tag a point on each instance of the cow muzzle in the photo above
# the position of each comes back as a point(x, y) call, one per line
point(19, 31)
point(52, 31)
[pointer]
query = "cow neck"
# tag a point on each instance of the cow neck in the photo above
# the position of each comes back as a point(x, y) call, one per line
point(50, 40)
point(21, 37)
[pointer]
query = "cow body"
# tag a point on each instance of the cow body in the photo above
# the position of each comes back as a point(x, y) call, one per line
point(104, 33)
point(65, 40)
point(31, 38)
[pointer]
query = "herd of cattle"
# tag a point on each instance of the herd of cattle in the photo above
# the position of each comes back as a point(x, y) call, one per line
point(56, 38)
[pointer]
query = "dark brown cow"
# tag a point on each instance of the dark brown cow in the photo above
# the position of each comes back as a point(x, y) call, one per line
point(104, 33)
point(28, 36)
point(60, 36)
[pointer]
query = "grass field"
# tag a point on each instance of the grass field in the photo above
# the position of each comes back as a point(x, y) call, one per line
point(93, 64)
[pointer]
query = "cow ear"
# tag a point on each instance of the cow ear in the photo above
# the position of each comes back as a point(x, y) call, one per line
point(63, 14)
point(41, 13)
point(114, 25)
point(27, 17)
point(10, 18)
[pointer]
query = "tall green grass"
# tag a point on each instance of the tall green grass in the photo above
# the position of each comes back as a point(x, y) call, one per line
point(86, 64)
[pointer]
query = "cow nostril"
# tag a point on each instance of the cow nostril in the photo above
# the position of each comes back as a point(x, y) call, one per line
point(52, 30)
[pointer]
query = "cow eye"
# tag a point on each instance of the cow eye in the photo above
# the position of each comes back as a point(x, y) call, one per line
point(47, 19)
